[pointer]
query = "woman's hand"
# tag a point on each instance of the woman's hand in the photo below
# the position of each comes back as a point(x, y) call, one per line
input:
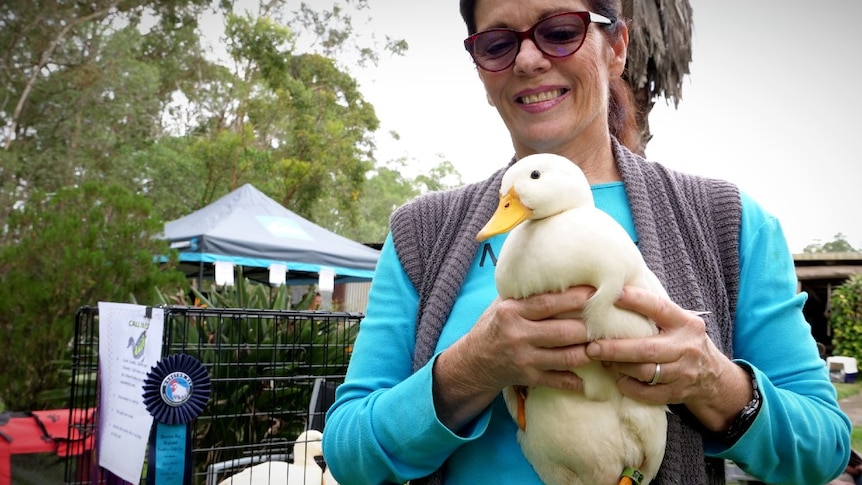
point(693, 371)
point(515, 342)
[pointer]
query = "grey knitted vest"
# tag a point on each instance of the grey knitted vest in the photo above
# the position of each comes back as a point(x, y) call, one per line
point(687, 227)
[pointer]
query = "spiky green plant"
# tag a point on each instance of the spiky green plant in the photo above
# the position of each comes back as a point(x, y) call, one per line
point(262, 357)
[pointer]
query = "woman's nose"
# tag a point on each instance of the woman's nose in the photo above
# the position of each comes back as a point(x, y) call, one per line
point(530, 58)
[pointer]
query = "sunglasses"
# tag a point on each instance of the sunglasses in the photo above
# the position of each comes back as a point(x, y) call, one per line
point(559, 35)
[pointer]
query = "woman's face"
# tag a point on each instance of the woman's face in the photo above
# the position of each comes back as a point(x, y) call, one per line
point(556, 105)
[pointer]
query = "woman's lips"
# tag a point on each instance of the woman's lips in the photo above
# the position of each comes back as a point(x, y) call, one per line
point(538, 101)
point(540, 97)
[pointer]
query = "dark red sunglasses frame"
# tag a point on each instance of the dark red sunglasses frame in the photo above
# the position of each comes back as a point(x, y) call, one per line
point(586, 17)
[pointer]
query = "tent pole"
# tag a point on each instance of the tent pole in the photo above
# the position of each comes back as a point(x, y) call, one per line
point(201, 278)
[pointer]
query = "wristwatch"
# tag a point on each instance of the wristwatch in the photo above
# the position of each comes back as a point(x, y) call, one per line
point(745, 417)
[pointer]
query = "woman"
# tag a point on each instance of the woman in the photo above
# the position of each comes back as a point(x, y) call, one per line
point(745, 382)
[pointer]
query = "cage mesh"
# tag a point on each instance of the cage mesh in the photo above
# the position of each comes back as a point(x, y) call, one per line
point(265, 366)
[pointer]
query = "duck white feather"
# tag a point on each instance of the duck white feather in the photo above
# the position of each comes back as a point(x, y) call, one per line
point(559, 239)
point(303, 471)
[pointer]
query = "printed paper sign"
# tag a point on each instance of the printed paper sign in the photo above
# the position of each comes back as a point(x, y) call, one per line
point(130, 344)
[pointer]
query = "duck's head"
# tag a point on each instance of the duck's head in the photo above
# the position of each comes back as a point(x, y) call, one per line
point(308, 446)
point(536, 187)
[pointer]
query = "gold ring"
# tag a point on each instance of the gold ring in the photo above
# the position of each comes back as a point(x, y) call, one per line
point(656, 376)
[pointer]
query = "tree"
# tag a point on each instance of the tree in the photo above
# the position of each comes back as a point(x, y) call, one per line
point(659, 54)
point(290, 121)
point(386, 189)
point(91, 103)
point(838, 245)
point(60, 251)
point(83, 86)
point(93, 93)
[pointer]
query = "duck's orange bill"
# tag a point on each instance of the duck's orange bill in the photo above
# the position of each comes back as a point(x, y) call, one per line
point(510, 212)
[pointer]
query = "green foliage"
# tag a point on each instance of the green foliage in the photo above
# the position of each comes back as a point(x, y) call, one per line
point(292, 123)
point(441, 177)
point(106, 94)
point(386, 188)
point(261, 364)
point(845, 318)
point(82, 83)
point(847, 389)
point(78, 246)
point(309, 126)
point(856, 438)
point(169, 174)
point(245, 294)
point(121, 100)
point(838, 245)
point(263, 377)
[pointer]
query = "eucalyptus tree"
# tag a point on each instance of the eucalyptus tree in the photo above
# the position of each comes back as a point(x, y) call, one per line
point(283, 111)
point(83, 84)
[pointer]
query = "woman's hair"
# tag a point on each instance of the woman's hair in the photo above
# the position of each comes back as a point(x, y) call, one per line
point(622, 120)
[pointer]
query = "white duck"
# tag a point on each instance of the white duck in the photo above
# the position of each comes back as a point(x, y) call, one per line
point(303, 471)
point(559, 239)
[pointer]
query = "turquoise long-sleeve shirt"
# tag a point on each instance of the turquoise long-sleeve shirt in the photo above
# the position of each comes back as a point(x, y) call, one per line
point(383, 426)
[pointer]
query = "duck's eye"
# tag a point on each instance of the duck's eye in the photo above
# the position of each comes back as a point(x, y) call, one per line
point(535, 175)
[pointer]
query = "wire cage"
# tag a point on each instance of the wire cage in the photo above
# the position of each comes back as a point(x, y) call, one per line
point(272, 376)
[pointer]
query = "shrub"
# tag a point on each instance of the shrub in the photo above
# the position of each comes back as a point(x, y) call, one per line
point(845, 318)
point(78, 246)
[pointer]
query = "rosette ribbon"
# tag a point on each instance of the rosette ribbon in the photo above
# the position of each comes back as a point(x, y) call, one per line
point(176, 390)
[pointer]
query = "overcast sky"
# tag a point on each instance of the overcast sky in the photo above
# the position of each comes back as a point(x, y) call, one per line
point(773, 104)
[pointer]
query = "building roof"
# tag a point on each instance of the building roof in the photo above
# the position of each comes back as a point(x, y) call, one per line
point(822, 266)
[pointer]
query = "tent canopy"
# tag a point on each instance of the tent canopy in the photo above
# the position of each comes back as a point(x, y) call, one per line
point(249, 229)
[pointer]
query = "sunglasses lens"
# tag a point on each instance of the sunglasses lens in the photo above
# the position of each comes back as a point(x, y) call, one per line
point(494, 50)
point(561, 35)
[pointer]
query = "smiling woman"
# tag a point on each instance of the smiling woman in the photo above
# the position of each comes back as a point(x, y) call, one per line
point(741, 118)
point(438, 344)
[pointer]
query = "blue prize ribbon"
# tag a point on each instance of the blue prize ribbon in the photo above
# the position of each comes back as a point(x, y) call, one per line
point(176, 390)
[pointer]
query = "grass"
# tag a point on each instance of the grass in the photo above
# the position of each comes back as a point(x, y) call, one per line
point(847, 389)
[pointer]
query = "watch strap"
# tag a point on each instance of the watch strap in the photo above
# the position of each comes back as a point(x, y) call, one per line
point(746, 416)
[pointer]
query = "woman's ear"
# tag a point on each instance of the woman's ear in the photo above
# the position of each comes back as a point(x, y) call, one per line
point(620, 50)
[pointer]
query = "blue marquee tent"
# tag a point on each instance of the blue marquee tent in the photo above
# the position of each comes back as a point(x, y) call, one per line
point(249, 229)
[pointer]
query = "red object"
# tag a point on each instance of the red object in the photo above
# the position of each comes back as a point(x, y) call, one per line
point(52, 431)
